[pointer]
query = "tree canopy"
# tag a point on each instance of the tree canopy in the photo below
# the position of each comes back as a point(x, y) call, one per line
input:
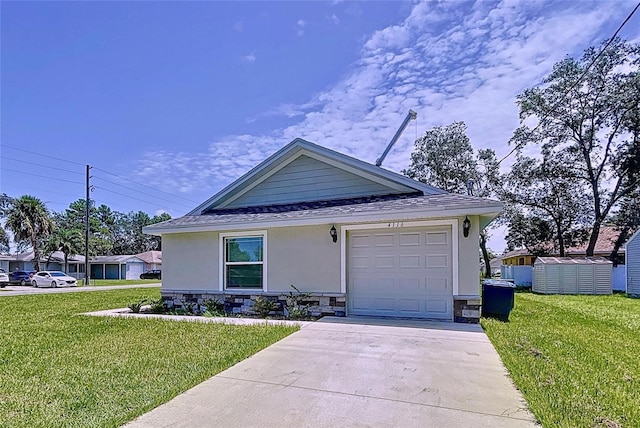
point(583, 127)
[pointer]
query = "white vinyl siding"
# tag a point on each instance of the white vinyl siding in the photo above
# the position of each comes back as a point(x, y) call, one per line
point(308, 179)
point(401, 273)
point(632, 255)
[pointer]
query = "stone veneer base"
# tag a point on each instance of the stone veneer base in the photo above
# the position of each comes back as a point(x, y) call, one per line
point(318, 304)
point(466, 309)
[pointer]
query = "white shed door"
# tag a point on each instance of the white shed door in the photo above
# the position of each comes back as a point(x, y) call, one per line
point(402, 272)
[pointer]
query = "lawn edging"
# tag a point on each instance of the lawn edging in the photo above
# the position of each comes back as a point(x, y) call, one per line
point(126, 313)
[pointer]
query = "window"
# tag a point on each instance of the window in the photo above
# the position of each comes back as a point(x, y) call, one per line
point(243, 261)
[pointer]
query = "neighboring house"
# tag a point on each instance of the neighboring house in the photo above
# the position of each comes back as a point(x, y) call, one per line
point(633, 265)
point(363, 240)
point(124, 266)
point(152, 260)
point(517, 265)
point(25, 261)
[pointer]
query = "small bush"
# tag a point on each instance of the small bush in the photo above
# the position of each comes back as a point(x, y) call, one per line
point(136, 306)
point(190, 308)
point(263, 306)
point(158, 306)
point(213, 308)
point(294, 307)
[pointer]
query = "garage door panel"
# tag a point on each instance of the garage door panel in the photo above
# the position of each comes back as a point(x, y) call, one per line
point(385, 262)
point(405, 273)
point(438, 261)
point(411, 261)
point(437, 238)
point(410, 239)
point(409, 305)
point(384, 240)
point(438, 286)
point(437, 306)
point(384, 304)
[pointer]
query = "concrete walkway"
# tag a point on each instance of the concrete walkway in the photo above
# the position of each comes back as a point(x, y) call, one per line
point(358, 372)
point(20, 290)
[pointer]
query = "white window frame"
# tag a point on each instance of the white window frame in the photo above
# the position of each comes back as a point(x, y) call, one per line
point(223, 262)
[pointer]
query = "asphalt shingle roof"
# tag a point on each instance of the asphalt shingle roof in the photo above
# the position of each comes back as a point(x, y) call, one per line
point(342, 207)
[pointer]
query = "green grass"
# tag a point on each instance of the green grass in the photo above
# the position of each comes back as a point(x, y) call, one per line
point(58, 368)
point(576, 359)
point(101, 282)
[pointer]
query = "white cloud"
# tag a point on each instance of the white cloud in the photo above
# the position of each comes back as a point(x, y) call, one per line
point(300, 27)
point(448, 61)
point(333, 18)
point(251, 58)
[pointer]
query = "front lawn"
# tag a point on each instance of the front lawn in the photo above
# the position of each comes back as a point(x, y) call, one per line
point(58, 368)
point(101, 282)
point(576, 359)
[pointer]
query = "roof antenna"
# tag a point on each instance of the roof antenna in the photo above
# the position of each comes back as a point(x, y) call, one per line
point(410, 116)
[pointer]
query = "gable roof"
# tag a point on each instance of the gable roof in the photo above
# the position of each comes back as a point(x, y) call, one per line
point(378, 208)
point(396, 183)
point(151, 257)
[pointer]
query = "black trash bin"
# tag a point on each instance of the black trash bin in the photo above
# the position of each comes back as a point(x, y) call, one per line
point(497, 298)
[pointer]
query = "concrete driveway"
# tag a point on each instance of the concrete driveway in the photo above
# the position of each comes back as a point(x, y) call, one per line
point(358, 372)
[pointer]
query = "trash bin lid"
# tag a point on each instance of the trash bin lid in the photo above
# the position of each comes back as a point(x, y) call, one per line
point(498, 283)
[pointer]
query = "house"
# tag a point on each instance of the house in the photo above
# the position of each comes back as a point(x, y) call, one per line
point(54, 261)
point(152, 260)
point(124, 266)
point(363, 240)
point(633, 265)
point(518, 265)
point(100, 267)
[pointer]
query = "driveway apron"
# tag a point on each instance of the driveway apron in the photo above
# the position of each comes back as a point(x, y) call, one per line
point(358, 372)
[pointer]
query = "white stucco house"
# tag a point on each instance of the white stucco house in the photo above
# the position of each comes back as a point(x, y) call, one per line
point(362, 239)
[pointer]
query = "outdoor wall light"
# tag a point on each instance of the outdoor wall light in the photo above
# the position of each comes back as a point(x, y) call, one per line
point(466, 226)
point(334, 233)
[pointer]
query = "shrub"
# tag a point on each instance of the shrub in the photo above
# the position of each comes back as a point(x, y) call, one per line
point(262, 306)
point(213, 308)
point(136, 306)
point(158, 306)
point(295, 308)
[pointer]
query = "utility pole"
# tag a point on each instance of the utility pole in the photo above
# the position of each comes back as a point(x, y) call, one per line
point(86, 229)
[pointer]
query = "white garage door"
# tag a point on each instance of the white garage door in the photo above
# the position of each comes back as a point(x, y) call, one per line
point(404, 272)
point(134, 270)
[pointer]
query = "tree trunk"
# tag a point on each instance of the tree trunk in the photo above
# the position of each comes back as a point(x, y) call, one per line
point(36, 254)
point(593, 239)
point(622, 237)
point(560, 239)
point(485, 255)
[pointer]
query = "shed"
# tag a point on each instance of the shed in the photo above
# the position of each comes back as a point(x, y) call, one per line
point(565, 275)
point(633, 265)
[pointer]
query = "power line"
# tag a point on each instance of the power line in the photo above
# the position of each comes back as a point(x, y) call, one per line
point(45, 166)
point(144, 185)
point(130, 197)
point(42, 176)
point(40, 154)
point(135, 190)
point(577, 82)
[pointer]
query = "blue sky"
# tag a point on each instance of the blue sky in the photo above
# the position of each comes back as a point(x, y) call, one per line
point(177, 99)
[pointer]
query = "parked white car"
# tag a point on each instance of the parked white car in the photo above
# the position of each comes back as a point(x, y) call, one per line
point(4, 278)
point(53, 278)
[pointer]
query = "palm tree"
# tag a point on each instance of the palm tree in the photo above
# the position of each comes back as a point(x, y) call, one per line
point(69, 241)
point(29, 219)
